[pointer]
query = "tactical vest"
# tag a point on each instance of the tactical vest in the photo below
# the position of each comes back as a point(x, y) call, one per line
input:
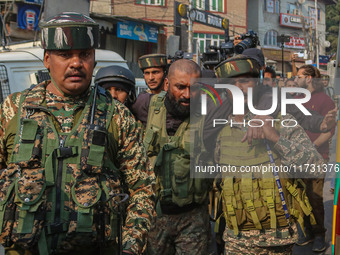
point(170, 156)
point(59, 190)
point(251, 200)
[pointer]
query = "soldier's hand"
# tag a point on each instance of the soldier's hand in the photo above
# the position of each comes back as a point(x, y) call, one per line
point(269, 130)
point(329, 121)
point(254, 132)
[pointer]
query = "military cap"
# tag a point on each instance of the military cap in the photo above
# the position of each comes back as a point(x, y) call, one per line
point(236, 66)
point(152, 60)
point(69, 30)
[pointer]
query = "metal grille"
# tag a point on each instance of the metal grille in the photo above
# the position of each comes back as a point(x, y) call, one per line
point(4, 84)
point(42, 75)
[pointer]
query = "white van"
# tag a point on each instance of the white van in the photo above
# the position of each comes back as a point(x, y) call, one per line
point(18, 67)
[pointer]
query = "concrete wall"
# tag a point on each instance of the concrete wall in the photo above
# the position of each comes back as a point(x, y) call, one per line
point(53, 7)
point(254, 13)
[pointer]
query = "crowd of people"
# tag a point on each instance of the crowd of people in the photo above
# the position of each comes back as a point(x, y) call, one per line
point(96, 169)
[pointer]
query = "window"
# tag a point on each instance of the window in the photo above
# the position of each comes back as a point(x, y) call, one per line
point(202, 41)
point(273, 6)
point(277, 6)
point(271, 39)
point(216, 5)
point(311, 12)
point(199, 4)
point(291, 8)
point(151, 2)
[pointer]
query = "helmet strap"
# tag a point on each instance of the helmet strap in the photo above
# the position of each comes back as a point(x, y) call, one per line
point(131, 98)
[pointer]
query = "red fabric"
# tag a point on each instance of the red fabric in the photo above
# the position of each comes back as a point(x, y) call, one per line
point(321, 103)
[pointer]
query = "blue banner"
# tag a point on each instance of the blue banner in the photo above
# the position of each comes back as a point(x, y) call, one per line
point(34, 1)
point(137, 31)
point(323, 60)
point(28, 16)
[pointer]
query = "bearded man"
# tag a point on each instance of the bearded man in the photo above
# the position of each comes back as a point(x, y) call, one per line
point(182, 223)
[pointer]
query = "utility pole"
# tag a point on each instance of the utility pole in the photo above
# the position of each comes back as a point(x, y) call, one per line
point(189, 28)
point(283, 59)
point(311, 46)
point(303, 22)
point(283, 39)
point(316, 34)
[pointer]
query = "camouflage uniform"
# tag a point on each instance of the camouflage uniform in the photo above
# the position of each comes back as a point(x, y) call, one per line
point(40, 135)
point(256, 222)
point(258, 242)
point(294, 147)
point(130, 155)
point(182, 223)
point(183, 233)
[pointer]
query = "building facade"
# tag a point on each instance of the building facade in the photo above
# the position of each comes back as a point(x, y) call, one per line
point(295, 19)
point(19, 20)
point(165, 11)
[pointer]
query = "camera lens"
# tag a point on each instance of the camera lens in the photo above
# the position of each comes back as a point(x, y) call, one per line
point(245, 44)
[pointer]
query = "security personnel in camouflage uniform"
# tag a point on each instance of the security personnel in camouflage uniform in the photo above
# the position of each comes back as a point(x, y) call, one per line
point(154, 68)
point(67, 151)
point(120, 81)
point(182, 224)
point(254, 209)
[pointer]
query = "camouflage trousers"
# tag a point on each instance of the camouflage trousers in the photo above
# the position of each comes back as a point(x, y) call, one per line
point(183, 234)
point(260, 242)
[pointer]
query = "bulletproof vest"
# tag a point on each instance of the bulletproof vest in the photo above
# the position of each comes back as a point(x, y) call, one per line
point(59, 189)
point(251, 199)
point(170, 156)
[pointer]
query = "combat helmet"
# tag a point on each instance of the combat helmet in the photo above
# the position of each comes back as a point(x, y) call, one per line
point(120, 77)
point(152, 60)
point(237, 66)
point(69, 30)
point(256, 54)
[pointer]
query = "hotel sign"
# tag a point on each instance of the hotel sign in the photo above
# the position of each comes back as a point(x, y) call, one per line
point(203, 17)
point(207, 18)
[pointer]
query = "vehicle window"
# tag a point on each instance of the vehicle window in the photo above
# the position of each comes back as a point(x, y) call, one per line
point(4, 84)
